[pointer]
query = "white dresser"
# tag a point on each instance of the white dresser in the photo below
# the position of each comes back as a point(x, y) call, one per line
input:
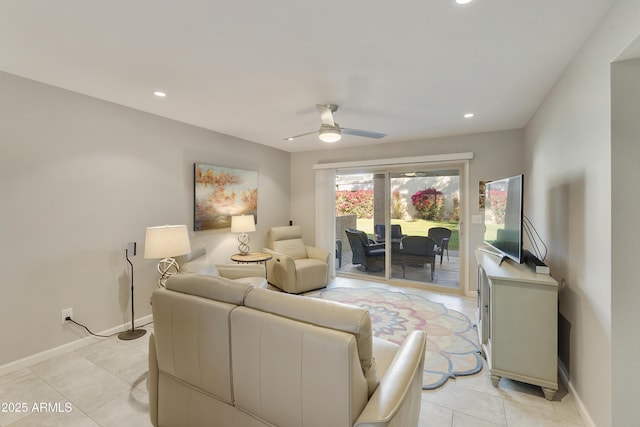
point(518, 322)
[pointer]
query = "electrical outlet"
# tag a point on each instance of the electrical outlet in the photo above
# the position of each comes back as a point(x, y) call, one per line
point(67, 312)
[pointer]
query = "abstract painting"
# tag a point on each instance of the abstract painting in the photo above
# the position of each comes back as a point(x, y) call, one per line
point(220, 193)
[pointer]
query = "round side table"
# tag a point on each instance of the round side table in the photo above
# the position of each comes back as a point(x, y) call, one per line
point(253, 257)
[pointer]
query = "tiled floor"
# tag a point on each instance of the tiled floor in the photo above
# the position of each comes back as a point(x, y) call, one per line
point(104, 384)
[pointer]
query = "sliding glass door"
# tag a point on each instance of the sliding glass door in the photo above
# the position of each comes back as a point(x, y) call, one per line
point(400, 224)
point(424, 218)
point(358, 197)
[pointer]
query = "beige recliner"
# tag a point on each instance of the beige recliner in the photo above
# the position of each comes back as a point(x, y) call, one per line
point(295, 268)
point(224, 353)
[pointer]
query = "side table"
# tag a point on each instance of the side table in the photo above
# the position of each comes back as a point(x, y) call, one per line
point(253, 257)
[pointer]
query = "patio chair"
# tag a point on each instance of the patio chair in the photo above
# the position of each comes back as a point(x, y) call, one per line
point(442, 236)
point(396, 232)
point(366, 253)
point(418, 250)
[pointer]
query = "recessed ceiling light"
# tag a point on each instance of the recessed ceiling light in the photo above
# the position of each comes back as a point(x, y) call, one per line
point(463, 1)
point(159, 94)
point(468, 115)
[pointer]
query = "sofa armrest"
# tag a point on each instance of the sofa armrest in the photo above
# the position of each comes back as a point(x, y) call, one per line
point(318, 253)
point(152, 381)
point(396, 401)
point(239, 271)
point(281, 270)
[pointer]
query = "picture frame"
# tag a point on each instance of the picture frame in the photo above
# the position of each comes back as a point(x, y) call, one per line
point(481, 194)
point(221, 192)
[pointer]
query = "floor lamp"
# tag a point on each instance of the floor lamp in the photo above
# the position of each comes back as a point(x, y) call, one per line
point(133, 333)
point(166, 242)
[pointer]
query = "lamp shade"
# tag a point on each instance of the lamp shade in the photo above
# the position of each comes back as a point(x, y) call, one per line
point(166, 241)
point(242, 224)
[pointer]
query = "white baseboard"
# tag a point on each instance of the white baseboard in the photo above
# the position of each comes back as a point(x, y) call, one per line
point(65, 348)
point(582, 410)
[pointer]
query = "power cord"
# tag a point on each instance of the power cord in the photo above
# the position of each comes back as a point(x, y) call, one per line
point(68, 318)
point(530, 230)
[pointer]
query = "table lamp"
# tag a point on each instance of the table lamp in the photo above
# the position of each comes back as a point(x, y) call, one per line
point(166, 242)
point(243, 224)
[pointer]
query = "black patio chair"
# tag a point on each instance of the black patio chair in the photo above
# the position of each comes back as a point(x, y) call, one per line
point(396, 232)
point(366, 253)
point(418, 251)
point(442, 236)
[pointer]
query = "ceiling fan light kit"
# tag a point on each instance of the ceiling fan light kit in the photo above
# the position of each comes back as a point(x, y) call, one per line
point(329, 135)
point(330, 131)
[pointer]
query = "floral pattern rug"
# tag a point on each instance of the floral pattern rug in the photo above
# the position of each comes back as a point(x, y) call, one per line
point(452, 340)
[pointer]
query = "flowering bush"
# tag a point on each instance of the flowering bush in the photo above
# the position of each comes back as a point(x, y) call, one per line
point(497, 202)
point(429, 203)
point(359, 203)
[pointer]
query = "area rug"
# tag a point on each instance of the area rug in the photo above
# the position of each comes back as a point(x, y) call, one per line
point(452, 340)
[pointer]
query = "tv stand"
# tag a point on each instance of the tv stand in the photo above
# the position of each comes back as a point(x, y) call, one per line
point(517, 319)
point(502, 257)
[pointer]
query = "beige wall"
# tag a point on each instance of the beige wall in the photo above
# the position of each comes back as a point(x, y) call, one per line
point(496, 155)
point(80, 178)
point(568, 156)
point(625, 240)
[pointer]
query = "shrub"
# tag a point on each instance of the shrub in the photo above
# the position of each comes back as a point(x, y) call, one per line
point(497, 203)
point(398, 208)
point(455, 216)
point(429, 204)
point(359, 203)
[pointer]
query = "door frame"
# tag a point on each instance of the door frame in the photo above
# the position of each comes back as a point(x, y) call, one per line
point(325, 203)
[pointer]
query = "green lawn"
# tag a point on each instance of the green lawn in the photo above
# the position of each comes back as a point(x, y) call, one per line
point(416, 227)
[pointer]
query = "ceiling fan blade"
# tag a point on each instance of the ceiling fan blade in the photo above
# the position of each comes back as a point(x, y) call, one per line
point(363, 133)
point(298, 136)
point(326, 113)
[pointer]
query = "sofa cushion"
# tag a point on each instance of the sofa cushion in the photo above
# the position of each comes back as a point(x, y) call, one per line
point(240, 271)
point(211, 287)
point(384, 351)
point(287, 240)
point(258, 282)
point(310, 274)
point(285, 232)
point(328, 314)
point(310, 269)
point(200, 265)
point(192, 343)
point(293, 248)
point(291, 373)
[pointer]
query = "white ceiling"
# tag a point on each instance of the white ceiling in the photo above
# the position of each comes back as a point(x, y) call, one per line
point(255, 69)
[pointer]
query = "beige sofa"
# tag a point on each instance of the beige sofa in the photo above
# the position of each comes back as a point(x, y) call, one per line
point(228, 354)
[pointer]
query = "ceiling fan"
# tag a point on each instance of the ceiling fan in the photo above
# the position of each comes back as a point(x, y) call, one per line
point(330, 131)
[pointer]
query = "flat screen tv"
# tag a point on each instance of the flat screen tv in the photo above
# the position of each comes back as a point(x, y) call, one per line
point(503, 216)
